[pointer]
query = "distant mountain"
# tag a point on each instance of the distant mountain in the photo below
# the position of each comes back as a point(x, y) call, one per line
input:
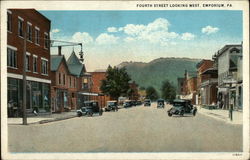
point(155, 72)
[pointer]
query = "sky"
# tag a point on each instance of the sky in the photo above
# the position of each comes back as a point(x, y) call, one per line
point(112, 37)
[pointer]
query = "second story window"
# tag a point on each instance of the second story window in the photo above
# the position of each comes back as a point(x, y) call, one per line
point(11, 58)
point(29, 31)
point(27, 65)
point(64, 79)
point(59, 78)
point(37, 35)
point(34, 63)
point(45, 66)
point(20, 26)
point(74, 82)
point(70, 84)
point(46, 40)
point(9, 21)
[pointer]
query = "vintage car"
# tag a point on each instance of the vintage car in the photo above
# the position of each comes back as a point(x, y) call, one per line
point(147, 102)
point(89, 108)
point(138, 102)
point(180, 107)
point(127, 104)
point(134, 103)
point(111, 106)
point(160, 103)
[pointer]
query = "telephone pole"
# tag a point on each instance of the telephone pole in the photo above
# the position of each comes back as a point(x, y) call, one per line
point(24, 81)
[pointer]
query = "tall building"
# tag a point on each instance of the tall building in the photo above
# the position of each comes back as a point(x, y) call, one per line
point(229, 63)
point(31, 25)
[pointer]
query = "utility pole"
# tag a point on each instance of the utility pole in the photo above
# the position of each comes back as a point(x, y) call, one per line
point(24, 81)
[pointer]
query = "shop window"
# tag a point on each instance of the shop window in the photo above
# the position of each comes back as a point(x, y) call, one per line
point(46, 98)
point(36, 95)
point(11, 58)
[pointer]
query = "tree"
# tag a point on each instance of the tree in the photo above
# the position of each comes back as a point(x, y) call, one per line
point(116, 83)
point(168, 91)
point(151, 93)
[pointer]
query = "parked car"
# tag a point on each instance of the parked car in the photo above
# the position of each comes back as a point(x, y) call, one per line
point(127, 103)
point(89, 108)
point(111, 106)
point(138, 103)
point(147, 102)
point(160, 103)
point(180, 107)
point(134, 103)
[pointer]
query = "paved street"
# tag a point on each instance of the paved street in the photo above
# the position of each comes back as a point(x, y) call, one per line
point(137, 129)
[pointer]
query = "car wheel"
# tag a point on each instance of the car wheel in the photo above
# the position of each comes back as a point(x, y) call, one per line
point(169, 114)
point(194, 112)
point(79, 114)
point(182, 113)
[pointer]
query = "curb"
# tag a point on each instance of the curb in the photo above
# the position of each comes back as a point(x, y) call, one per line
point(56, 119)
point(219, 117)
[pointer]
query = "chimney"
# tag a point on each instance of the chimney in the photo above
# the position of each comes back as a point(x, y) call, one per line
point(59, 50)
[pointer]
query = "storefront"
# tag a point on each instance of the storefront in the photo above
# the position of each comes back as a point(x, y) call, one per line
point(37, 97)
point(62, 100)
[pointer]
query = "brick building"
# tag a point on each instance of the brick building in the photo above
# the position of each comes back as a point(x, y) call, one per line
point(61, 81)
point(207, 82)
point(82, 80)
point(31, 25)
point(97, 77)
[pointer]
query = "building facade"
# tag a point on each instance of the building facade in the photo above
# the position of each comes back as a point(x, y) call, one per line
point(228, 60)
point(28, 33)
point(61, 82)
point(97, 78)
point(207, 82)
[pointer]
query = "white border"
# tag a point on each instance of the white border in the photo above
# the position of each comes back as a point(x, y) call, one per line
point(124, 5)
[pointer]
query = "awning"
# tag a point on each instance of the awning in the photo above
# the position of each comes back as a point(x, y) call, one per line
point(90, 94)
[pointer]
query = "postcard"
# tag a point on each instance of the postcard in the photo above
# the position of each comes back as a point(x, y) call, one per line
point(125, 80)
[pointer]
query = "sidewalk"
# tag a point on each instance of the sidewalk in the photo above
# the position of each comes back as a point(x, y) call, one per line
point(44, 118)
point(222, 115)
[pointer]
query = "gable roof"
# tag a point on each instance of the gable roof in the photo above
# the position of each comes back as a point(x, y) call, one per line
point(55, 62)
point(75, 66)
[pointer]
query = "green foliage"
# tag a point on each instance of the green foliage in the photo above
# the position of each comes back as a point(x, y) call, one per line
point(116, 83)
point(168, 91)
point(151, 93)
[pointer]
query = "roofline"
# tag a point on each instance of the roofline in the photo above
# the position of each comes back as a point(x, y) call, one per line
point(43, 15)
point(199, 63)
point(226, 47)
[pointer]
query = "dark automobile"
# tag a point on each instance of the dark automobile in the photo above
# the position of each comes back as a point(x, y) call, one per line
point(160, 103)
point(134, 103)
point(138, 103)
point(89, 108)
point(147, 102)
point(111, 106)
point(127, 103)
point(180, 107)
